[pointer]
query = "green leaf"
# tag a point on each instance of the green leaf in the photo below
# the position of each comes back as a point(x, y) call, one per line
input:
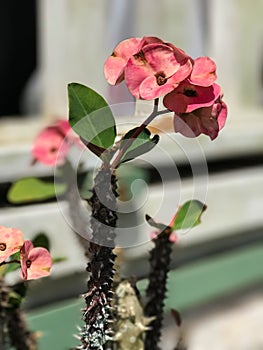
point(90, 117)
point(58, 259)
point(41, 240)
point(143, 143)
point(189, 215)
point(32, 190)
point(13, 266)
point(155, 224)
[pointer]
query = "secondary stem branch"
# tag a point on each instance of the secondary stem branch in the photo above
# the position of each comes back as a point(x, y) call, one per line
point(137, 132)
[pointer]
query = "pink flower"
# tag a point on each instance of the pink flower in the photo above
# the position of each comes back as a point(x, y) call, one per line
point(35, 262)
point(11, 240)
point(49, 147)
point(53, 143)
point(206, 120)
point(188, 97)
point(63, 126)
point(116, 63)
point(156, 70)
point(204, 72)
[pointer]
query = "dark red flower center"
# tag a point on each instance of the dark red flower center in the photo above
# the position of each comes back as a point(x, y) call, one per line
point(2, 247)
point(28, 263)
point(160, 78)
point(53, 149)
point(140, 56)
point(190, 92)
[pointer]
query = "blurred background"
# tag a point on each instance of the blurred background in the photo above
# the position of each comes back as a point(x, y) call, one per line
point(217, 275)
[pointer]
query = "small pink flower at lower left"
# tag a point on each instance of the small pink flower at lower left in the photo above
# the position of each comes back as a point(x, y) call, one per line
point(11, 241)
point(35, 262)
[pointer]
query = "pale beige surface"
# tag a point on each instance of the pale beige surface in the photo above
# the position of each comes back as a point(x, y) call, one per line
point(237, 326)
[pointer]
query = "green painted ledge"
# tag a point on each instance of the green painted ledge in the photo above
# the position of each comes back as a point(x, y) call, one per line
point(188, 287)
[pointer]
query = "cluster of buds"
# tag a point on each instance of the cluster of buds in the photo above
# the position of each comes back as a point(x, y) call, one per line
point(152, 68)
point(34, 262)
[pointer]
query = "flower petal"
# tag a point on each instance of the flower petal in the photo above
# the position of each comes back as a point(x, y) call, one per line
point(135, 72)
point(63, 126)
point(35, 262)
point(189, 126)
point(221, 119)
point(115, 64)
point(147, 40)
point(27, 246)
point(161, 58)
point(155, 71)
point(11, 240)
point(149, 89)
point(41, 263)
point(50, 147)
point(187, 97)
point(206, 120)
point(204, 72)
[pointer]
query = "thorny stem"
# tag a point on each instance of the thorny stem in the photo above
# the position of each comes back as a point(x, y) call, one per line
point(137, 132)
point(3, 317)
point(13, 328)
point(20, 336)
point(97, 313)
point(160, 258)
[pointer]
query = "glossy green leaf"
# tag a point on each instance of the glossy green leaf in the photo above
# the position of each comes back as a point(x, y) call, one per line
point(143, 143)
point(33, 190)
point(189, 215)
point(41, 240)
point(91, 117)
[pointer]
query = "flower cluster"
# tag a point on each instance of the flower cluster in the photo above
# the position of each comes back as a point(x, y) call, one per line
point(152, 68)
point(34, 262)
point(53, 143)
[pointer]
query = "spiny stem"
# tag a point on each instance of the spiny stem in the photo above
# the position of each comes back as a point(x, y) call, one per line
point(97, 313)
point(4, 339)
point(13, 328)
point(160, 258)
point(20, 336)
